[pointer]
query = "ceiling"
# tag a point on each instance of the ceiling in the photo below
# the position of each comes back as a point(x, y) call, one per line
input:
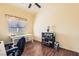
point(46, 6)
point(34, 9)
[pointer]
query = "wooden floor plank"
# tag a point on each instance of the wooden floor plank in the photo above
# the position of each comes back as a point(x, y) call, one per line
point(37, 49)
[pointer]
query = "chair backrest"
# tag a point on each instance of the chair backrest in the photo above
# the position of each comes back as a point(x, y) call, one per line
point(21, 44)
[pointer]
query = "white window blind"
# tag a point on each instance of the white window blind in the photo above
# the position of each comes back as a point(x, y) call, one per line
point(17, 26)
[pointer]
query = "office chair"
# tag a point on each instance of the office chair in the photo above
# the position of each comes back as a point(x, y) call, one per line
point(16, 50)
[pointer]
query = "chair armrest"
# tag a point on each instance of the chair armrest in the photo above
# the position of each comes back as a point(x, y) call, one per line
point(14, 48)
point(8, 45)
point(13, 51)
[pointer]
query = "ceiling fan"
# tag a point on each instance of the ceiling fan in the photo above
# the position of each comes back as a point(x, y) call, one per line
point(30, 5)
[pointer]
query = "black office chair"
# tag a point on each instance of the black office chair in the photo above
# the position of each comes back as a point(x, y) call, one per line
point(16, 50)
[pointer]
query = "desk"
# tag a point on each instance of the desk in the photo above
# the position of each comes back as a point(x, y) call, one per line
point(2, 49)
point(29, 37)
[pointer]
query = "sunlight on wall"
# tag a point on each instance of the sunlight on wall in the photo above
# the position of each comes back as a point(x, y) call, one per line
point(66, 22)
point(12, 10)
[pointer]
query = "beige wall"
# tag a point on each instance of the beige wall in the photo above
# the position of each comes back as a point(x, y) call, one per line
point(12, 10)
point(64, 18)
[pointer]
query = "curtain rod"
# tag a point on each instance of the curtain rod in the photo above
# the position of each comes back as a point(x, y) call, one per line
point(16, 17)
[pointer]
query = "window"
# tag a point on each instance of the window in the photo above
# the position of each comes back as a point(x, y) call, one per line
point(17, 26)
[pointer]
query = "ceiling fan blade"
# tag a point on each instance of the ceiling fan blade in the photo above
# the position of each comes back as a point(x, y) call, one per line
point(30, 5)
point(38, 5)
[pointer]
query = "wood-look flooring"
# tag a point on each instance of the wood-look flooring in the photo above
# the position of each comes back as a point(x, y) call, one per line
point(37, 49)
